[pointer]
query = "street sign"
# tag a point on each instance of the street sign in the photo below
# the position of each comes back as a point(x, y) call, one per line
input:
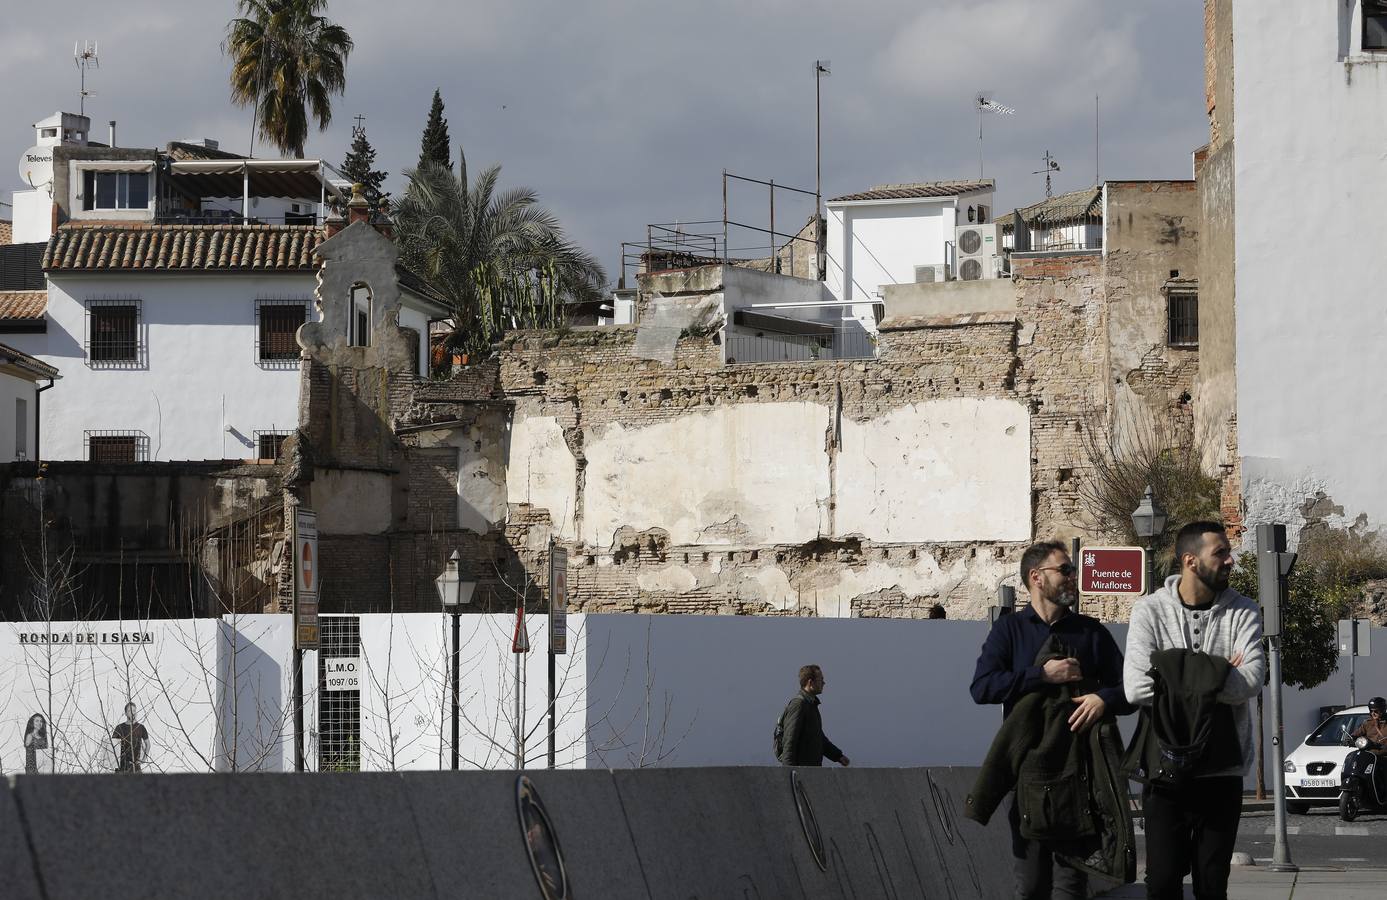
point(1112, 570)
point(1355, 637)
point(520, 640)
point(307, 577)
point(342, 673)
point(558, 600)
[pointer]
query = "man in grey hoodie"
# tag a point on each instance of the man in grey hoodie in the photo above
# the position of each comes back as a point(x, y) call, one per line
point(1192, 828)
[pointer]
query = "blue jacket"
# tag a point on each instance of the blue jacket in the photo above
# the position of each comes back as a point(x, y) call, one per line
point(1006, 669)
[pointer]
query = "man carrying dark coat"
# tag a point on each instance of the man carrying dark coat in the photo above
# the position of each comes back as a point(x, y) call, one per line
point(804, 742)
point(1007, 671)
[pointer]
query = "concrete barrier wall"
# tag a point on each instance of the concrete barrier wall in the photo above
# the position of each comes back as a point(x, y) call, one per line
point(686, 834)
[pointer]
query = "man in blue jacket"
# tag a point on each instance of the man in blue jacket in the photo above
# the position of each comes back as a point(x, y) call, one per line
point(1007, 670)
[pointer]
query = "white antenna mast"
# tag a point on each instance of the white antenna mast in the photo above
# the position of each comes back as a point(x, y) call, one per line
point(84, 54)
point(984, 103)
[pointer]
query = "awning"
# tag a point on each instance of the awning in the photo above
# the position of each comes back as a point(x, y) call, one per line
point(780, 324)
point(294, 179)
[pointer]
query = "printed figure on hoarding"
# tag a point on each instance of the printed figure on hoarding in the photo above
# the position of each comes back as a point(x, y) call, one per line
point(35, 739)
point(132, 742)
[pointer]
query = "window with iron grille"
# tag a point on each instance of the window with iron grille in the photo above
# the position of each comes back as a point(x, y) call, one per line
point(276, 323)
point(1183, 316)
point(269, 444)
point(339, 712)
point(116, 446)
point(115, 334)
point(1375, 24)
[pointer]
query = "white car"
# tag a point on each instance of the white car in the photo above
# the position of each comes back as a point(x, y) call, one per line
point(1313, 769)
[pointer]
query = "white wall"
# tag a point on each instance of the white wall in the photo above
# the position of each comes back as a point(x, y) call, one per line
point(1309, 133)
point(13, 388)
point(179, 677)
point(33, 216)
point(872, 244)
point(202, 372)
point(760, 473)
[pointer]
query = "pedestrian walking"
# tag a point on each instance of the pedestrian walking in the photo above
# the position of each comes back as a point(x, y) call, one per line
point(1194, 660)
point(1019, 658)
point(800, 738)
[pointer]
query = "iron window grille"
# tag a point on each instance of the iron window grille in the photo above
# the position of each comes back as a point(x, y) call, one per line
point(269, 444)
point(276, 326)
point(339, 712)
point(115, 334)
point(116, 446)
point(1183, 318)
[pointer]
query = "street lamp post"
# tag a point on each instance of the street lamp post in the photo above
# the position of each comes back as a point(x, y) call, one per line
point(454, 592)
point(1148, 521)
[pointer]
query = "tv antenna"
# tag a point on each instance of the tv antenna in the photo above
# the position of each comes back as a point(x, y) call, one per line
point(84, 54)
point(1052, 165)
point(984, 103)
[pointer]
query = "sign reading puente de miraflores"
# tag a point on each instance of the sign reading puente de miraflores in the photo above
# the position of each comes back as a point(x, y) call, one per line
point(1112, 570)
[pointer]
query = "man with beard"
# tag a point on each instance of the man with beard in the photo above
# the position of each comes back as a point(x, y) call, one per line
point(1192, 827)
point(1007, 671)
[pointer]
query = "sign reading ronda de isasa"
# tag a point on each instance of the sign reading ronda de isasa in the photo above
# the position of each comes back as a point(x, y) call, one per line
point(1112, 570)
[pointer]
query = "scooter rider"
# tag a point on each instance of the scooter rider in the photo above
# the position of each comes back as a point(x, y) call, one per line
point(1374, 727)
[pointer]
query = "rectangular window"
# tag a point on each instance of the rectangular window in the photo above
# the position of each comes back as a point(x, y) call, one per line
point(359, 326)
point(1375, 24)
point(1183, 315)
point(21, 428)
point(269, 444)
point(277, 322)
point(117, 446)
point(115, 190)
point(114, 333)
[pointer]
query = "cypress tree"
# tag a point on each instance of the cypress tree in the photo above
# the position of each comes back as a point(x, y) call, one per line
point(357, 166)
point(436, 145)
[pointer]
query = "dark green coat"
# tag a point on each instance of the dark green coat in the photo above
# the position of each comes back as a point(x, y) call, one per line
point(1070, 790)
point(805, 743)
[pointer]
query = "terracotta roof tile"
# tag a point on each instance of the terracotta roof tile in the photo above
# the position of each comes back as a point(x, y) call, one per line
point(23, 304)
point(918, 190)
point(11, 356)
point(185, 248)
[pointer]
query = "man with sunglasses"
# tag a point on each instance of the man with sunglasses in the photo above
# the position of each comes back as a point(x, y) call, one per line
point(1007, 671)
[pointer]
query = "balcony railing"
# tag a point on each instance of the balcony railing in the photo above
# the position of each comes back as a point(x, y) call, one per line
point(844, 343)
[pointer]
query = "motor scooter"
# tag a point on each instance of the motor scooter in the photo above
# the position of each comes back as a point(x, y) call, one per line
point(1363, 782)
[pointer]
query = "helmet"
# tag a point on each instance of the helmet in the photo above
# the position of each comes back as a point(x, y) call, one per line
point(1378, 705)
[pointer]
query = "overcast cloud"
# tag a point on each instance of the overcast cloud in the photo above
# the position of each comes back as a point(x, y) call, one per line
point(621, 113)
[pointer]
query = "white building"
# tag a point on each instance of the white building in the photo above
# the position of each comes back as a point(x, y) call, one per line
point(176, 282)
point(1308, 90)
point(20, 392)
point(903, 233)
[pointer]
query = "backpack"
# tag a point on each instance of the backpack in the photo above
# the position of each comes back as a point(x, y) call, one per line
point(778, 738)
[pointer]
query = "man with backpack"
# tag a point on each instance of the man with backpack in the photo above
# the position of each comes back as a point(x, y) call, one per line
point(799, 734)
point(1194, 660)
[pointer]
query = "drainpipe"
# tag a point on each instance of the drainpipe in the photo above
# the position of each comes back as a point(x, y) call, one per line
point(38, 415)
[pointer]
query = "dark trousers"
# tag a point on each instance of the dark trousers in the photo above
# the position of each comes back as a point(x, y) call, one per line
point(1039, 876)
point(1191, 829)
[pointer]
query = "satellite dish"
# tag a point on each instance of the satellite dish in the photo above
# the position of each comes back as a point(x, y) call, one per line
point(36, 166)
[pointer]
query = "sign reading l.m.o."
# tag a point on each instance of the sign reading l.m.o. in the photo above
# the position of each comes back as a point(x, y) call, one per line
point(342, 673)
point(1112, 570)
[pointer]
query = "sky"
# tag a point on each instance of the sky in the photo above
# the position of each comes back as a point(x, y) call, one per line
point(622, 113)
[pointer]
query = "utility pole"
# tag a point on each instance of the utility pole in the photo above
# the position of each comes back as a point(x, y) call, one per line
point(1274, 566)
point(821, 68)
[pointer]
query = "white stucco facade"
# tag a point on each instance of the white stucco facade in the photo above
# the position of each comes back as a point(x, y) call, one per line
point(200, 391)
point(873, 243)
point(1309, 131)
point(18, 403)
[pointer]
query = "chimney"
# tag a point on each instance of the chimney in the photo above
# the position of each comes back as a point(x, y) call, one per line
point(358, 210)
point(383, 222)
point(113, 133)
point(333, 223)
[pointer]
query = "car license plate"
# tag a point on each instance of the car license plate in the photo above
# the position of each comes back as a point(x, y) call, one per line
point(1319, 782)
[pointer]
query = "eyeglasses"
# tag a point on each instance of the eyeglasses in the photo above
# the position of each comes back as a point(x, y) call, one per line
point(1067, 570)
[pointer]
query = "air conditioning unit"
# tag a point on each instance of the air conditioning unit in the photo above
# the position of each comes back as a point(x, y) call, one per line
point(977, 248)
point(931, 274)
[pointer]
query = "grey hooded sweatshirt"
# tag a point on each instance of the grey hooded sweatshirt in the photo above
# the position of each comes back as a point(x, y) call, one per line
point(1232, 624)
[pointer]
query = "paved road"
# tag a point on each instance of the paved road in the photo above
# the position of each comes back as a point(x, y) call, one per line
point(1318, 838)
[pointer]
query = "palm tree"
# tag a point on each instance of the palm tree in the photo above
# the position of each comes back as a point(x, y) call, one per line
point(288, 61)
point(499, 259)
